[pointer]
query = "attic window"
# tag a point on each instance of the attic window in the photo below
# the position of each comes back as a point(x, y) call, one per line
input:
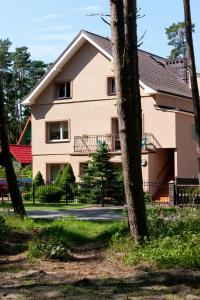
point(64, 89)
point(111, 88)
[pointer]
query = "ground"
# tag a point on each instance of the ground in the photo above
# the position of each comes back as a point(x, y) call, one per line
point(92, 274)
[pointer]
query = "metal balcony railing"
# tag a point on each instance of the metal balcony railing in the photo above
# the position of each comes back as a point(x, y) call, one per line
point(90, 143)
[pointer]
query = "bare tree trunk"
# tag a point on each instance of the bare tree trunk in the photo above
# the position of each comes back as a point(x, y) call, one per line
point(125, 56)
point(6, 161)
point(193, 77)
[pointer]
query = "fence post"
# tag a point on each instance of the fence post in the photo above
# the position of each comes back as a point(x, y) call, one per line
point(33, 194)
point(172, 196)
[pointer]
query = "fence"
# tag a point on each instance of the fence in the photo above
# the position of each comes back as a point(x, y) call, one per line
point(102, 193)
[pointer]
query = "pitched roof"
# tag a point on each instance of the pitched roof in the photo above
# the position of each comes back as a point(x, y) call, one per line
point(22, 153)
point(155, 76)
point(28, 122)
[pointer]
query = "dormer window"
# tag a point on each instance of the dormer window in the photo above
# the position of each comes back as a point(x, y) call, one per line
point(63, 89)
point(111, 88)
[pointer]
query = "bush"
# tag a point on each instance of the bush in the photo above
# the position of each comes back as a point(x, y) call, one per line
point(58, 178)
point(25, 172)
point(66, 182)
point(49, 248)
point(3, 227)
point(27, 196)
point(38, 179)
point(48, 194)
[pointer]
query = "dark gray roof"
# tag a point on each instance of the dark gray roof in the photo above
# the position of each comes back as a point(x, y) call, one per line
point(152, 69)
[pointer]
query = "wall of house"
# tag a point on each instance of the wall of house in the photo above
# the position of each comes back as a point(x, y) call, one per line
point(160, 124)
point(185, 158)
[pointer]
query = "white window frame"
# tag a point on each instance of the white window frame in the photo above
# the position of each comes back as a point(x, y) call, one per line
point(110, 84)
point(61, 131)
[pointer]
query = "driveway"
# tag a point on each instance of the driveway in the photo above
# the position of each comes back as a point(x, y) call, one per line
point(93, 213)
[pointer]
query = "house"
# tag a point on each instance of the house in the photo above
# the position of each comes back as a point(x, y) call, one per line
point(73, 108)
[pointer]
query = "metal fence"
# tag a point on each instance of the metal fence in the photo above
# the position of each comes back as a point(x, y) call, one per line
point(105, 193)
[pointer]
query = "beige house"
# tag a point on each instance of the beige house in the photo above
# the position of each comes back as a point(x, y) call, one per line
point(73, 108)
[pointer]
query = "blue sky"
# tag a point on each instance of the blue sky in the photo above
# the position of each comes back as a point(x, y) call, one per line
point(47, 26)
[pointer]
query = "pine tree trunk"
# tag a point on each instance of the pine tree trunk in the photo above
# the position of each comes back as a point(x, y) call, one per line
point(193, 77)
point(6, 161)
point(125, 56)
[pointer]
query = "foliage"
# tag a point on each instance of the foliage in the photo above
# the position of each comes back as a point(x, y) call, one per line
point(2, 172)
point(177, 41)
point(20, 74)
point(3, 227)
point(96, 176)
point(48, 194)
point(58, 177)
point(25, 172)
point(66, 181)
point(174, 240)
point(38, 179)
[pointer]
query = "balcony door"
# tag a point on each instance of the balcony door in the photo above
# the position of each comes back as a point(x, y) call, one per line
point(115, 134)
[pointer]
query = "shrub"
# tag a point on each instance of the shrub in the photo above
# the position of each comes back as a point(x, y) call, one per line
point(2, 172)
point(58, 178)
point(66, 182)
point(49, 248)
point(38, 179)
point(3, 226)
point(48, 194)
point(27, 196)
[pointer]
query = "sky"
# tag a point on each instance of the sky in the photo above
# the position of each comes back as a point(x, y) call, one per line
point(46, 27)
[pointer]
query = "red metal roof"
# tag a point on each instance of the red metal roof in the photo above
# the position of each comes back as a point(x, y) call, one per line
point(22, 153)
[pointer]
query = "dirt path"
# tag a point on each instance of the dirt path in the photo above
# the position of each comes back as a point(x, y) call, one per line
point(92, 275)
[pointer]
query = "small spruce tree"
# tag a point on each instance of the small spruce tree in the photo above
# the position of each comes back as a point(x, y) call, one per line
point(58, 177)
point(97, 176)
point(67, 181)
point(38, 179)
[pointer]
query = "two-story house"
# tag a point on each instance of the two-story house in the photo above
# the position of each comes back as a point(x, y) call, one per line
point(73, 108)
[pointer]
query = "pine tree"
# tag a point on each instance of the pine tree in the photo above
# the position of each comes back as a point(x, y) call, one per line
point(58, 177)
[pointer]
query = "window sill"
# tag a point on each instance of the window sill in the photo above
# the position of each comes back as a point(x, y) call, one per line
point(57, 141)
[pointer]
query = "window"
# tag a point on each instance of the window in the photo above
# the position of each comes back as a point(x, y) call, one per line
point(111, 89)
point(58, 131)
point(64, 90)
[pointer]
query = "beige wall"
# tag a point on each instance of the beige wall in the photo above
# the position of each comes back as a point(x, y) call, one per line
point(186, 147)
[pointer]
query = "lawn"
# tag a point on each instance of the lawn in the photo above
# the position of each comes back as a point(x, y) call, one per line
point(71, 259)
point(45, 206)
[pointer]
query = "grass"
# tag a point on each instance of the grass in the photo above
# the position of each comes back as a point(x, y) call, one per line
point(174, 241)
point(174, 238)
point(46, 206)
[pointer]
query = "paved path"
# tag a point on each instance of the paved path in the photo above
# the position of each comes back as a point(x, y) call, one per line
point(93, 213)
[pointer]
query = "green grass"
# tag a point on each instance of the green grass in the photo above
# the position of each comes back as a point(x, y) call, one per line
point(46, 206)
point(174, 241)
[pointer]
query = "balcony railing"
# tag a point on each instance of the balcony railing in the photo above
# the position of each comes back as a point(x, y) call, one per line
point(90, 143)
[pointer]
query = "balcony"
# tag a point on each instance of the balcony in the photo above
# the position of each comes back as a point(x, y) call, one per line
point(90, 143)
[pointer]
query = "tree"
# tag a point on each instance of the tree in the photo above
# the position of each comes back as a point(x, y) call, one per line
point(38, 179)
point(67, 181)
point(193, 77)
point(176, 34)
point(6, 160)
point(97, 176)
point(20, 75)
point(125, 57)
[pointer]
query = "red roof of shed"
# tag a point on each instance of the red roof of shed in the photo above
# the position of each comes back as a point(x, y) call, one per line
point(22, 153)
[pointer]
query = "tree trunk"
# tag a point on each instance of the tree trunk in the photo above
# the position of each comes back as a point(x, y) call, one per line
point(125, 56)
point(6, 161)
point(193, 77)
